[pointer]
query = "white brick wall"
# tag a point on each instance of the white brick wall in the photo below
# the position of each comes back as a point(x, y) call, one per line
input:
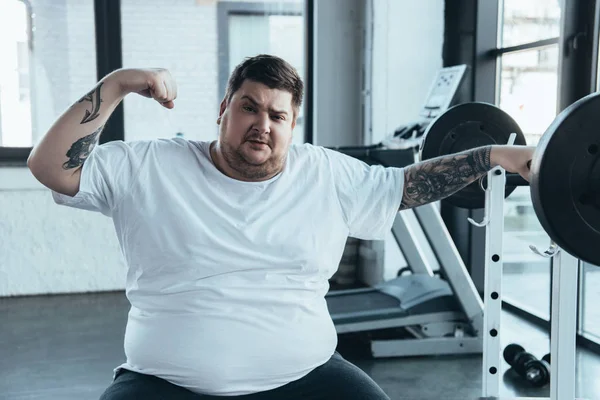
point(63, 58)
point(181, 36)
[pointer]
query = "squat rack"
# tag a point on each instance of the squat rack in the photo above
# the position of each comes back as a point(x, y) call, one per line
point(565, 273)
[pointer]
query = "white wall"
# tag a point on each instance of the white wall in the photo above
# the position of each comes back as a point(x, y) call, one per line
point(407, 53)
point(337, 72)
point(49, 249)
point(46, 248)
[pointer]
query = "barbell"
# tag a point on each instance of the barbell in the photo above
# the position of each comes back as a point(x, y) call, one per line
point(565, 170)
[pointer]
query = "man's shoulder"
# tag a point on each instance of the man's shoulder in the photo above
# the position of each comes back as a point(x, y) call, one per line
point(325, 154)
point(158, 144)
point(161, 150)
point(310, 150)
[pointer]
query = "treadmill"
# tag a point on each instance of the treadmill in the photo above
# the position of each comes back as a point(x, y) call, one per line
point(422, 313)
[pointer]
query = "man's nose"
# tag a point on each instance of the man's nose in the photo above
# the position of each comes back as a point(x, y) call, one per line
point(262, 123)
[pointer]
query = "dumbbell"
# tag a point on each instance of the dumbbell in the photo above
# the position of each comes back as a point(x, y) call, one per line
point(527, 366)
point(546, 358)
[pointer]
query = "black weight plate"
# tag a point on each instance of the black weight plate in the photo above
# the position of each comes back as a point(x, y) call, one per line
point(565, 179)
point(465, 127)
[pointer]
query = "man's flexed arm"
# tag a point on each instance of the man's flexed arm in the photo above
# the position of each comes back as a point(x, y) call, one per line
point(441, 177)
point(57, 159)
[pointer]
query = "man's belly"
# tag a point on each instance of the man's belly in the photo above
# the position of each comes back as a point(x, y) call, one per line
point(231, 350)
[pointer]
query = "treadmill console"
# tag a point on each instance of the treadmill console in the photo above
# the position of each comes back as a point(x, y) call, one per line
point(400, 147)
point(441, 94)
point(442, 91)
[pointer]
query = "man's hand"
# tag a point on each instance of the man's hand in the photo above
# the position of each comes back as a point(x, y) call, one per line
point(513, 159)
point(155, 83)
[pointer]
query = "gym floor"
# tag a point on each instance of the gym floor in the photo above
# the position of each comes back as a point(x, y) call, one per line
point(65, 347)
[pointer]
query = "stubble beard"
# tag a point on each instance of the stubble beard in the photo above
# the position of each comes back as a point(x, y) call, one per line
point(236, 160)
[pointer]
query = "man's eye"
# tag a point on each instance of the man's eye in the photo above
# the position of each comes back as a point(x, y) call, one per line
point(247, 108)
point(278, 117)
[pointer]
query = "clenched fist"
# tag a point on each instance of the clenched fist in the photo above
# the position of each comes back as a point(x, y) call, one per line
point(516, 159)
point(155, 83)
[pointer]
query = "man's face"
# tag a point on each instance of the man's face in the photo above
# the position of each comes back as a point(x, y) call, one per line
point(256, 130)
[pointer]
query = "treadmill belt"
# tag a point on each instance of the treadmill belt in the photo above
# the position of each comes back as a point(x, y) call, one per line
point(359, 302)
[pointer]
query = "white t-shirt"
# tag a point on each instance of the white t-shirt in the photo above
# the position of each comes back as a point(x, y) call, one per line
point(227, 279)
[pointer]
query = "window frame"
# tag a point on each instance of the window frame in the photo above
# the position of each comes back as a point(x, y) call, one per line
point(14, 156)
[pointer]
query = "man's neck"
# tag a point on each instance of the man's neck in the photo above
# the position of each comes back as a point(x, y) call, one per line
point(221, 164)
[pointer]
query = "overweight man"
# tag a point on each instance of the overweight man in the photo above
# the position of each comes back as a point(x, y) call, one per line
point(230, 243)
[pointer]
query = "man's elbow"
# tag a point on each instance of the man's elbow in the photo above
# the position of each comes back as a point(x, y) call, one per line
point(64, 182)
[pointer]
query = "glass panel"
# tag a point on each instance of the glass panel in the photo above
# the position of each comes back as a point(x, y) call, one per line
point(528, 92)
point(528, 89)
point(47, 60)
point(591, 297)
point(529, 21)
point(188, 44)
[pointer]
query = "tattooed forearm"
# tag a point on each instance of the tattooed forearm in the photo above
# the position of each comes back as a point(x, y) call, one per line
point(81, 149)
point(94, 98)
point(438, 178)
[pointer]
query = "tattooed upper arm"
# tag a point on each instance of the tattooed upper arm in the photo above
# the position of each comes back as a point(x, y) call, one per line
point(81, 149)
point(438, 178)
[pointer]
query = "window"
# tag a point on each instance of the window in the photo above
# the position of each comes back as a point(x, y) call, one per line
point(529, 21)
point(533, 59)
point(200, 42)
point(47, 60)
point(15, 96)
point(248, 29)
point(527, 90)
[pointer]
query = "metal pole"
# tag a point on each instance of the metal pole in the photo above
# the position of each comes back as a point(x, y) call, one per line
point(494, 230)
point(565, 273)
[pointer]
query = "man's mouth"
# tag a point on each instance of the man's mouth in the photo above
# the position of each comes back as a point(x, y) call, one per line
point(259, 142)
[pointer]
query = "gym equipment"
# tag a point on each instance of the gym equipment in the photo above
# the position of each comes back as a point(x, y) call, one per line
point(565, 171)
point(425, 312)
point(564, 179)
point(432, 316)
point(467, 126)
point(407, 137)
point(441, 94)
point(527, 366)
point(547, 358)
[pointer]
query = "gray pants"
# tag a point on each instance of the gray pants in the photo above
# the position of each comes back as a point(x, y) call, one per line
point(336, 379)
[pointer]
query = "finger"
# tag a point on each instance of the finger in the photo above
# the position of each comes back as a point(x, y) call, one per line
point(167, 92)
point(526, 174)
point(158, 91)
point(169, 100)
point(146, 93)
point(173, 87)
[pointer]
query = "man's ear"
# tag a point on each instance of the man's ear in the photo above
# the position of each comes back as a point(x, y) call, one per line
point(223, 106)
point(296, 112)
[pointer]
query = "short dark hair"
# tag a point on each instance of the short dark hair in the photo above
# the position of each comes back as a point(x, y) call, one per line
point(271, 71)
